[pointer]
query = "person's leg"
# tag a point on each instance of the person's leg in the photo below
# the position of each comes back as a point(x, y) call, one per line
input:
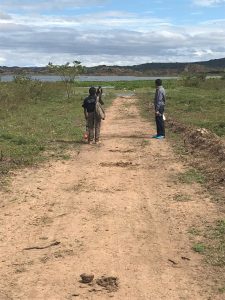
point(90, 127)
point(97, 129)
point(157, 121)
point(161, 126)
point(160, 122)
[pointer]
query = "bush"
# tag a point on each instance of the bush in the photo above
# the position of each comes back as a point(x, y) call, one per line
point(193, 80)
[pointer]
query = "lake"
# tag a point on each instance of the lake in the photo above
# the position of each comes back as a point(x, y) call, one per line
point(53, 78)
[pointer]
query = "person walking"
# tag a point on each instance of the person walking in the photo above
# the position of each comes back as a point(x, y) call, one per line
point(159, 104)
point(93, 122)
point(99, 93)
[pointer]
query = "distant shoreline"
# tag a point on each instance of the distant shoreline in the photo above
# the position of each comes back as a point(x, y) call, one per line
point(55, 78)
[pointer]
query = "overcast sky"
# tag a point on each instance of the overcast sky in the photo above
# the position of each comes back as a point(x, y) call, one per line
point(110, 32)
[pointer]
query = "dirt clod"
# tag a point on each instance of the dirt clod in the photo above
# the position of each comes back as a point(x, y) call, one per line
point(111, 284)
point(86, 278)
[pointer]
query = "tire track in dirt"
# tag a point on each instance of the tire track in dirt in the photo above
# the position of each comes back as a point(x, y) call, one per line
point(113, 210)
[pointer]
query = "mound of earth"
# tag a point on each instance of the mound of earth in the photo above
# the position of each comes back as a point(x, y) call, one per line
point(207, 151)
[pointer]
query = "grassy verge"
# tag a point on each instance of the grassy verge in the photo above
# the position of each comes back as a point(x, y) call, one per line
point(200, 106)
point(191, 176)
point(37, 121)
point(197, 106)
point(210, 242)
point(34, 115)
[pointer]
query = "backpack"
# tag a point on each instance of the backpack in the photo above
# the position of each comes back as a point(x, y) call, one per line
point(99, 110)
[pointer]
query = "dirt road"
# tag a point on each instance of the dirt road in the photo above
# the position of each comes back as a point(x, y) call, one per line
point(111, 210)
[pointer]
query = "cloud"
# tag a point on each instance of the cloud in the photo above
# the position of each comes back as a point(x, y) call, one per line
point(106, 37)
point(42, 5)
point(109, 46)
point(106, 19)
point(208, 3)
point(4, 16)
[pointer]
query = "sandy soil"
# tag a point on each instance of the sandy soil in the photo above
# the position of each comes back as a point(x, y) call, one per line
point(114, 211)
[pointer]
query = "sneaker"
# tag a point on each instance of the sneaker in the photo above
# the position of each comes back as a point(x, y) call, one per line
point(90, 142)
point(97, 142)
point(159, 137)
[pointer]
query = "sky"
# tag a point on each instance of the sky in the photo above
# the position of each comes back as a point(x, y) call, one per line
point(110, 32)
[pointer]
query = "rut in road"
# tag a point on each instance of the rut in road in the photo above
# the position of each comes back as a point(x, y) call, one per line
point(109, 211)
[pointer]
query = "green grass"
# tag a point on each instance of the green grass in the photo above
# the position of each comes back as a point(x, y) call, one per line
point(194, 231)
point(35, 115)
point(201, 106)
point(191, 176)
point(38, 125)
point(216, 244)
point(119, 85)
point(199, 247)
point(182, 198)
point(221, 290)
point(211, 243)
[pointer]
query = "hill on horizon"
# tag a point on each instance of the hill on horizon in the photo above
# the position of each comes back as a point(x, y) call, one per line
point(151, 69)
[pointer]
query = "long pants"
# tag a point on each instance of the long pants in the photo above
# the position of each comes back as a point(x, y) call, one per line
point(160, 126)
point(94, 126)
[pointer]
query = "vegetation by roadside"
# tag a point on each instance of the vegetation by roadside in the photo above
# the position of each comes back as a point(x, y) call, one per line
point(191, 107)
point(188, 109)
point(38, 121)
point(201, 106)
point(34, 114)
point(210, 241)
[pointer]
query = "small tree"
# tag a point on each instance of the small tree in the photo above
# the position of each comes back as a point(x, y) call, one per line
point(68, 73)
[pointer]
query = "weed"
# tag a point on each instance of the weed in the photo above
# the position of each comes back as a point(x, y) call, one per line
point(212, 243)
point(145, 143)
point(221, 290)
point(191, 176)
point(65, 156)
point(194, 231)
point(182, 198)
point(200, 248)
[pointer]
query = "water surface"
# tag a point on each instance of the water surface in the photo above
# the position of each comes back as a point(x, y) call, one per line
point(53, 78)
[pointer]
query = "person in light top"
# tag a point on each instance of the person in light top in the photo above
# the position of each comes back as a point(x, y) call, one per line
point(159, 104)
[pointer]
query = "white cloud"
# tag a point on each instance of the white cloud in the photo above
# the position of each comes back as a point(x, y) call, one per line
point(109, 37)
point(122, 47)
point(42, 5)
point(208, 3)
point(4, 16)
point(108, 19)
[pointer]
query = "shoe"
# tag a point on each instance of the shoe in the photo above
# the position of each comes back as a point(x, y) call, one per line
point(154, 136)
point(159, 137)
point(90, 142)
point(97, 142)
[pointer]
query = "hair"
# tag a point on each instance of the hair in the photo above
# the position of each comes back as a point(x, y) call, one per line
point(92, 91)
point(158, 82)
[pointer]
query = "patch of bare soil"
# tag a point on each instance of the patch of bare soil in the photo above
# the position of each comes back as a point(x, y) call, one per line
point(115, 212)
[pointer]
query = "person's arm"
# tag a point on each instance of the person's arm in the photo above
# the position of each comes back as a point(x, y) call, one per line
point(158, 102)
point(84, 105)
point(85, 113)
point(101, 101)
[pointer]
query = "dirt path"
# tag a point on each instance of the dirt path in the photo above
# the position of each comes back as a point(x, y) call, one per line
point(114, 211)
